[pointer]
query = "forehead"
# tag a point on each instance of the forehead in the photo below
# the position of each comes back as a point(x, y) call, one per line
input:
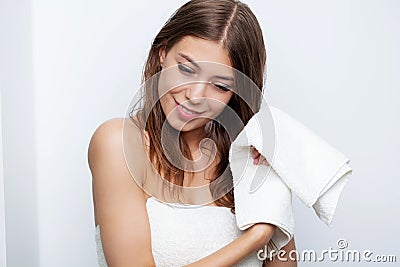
point(202, 50)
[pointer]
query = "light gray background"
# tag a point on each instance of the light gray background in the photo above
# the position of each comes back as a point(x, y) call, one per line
point(67, 66)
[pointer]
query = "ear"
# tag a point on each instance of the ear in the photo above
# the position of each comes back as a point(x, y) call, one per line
point(161, 54)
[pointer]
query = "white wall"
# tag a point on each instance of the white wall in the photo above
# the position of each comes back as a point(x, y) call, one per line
point(70, 65)
point(2, 205)
point(18, 130)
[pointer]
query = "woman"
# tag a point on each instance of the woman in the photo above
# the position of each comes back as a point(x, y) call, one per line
point(222, 42)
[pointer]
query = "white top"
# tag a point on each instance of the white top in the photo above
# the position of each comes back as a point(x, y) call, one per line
point(184, 233)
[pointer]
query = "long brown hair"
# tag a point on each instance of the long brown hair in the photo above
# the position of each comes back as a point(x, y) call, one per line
point(233, 24)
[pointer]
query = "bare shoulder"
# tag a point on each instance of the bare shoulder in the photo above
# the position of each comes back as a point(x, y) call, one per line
point(108, 145)
point(107, 135)
point(119, 202)
point(112, 131)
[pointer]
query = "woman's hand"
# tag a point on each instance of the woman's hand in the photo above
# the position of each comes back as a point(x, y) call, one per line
point(257, 157)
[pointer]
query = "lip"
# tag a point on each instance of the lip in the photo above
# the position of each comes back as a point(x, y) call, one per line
point(184, 115)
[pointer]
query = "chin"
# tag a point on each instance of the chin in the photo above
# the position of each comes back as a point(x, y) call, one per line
point(181, 126)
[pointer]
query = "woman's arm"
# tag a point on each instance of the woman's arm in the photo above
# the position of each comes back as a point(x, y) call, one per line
point(250, 241)
point(120, 202)
point(253, 239)
point(284, 260)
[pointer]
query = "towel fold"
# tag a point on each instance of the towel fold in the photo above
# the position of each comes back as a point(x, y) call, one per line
point(300, 162)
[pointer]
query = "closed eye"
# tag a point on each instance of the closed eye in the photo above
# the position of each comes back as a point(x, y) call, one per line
point(186, 69)
point(222, 87)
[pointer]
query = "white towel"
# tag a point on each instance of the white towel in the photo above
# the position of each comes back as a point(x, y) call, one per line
point(300, 162)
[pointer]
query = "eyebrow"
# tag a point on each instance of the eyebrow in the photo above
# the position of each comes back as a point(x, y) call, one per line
point(197, 66)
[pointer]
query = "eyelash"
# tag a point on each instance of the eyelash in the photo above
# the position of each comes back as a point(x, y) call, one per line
point(190, 71)
point(223, 88)
point(185, 69)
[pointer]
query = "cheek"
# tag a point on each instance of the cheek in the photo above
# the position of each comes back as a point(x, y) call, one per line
point(164, 104)
point(166, 93)
point(220, 103)
point(171, 81)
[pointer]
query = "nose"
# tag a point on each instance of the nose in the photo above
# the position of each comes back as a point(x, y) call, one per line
point(196, 92)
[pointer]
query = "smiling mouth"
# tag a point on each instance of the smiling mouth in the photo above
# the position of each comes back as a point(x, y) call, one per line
point(186, 110)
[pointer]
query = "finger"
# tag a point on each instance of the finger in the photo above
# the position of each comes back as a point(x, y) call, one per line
point(256, 161)
point(261, 159)
point(255, 153)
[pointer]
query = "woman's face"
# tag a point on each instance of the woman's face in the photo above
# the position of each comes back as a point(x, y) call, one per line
point(204, 88)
